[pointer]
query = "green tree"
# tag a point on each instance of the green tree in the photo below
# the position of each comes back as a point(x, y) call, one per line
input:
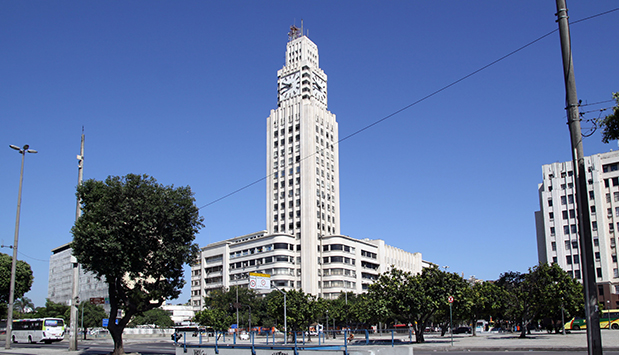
point(301, 309)
point(555, 290)
point(484, 301)
point(92, 315)
point(136, 234)
point(217, 318)
point(23, 280)
point(21, 306)
point(398, 295)
point(610, 123)
point(157, 316)
point(52, 310)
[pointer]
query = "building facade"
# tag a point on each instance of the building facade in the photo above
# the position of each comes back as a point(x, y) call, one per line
point(302, 247)
point(345, 264)
point(557, 224)
point(60, 280)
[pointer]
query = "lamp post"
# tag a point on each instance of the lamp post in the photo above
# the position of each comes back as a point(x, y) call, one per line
point(9, 318)
point(285, 322)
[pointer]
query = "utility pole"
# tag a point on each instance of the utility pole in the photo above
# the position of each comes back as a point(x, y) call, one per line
point(594, 339)
point(76, 267)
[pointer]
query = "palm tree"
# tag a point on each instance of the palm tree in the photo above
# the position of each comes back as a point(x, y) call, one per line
point(23, 305)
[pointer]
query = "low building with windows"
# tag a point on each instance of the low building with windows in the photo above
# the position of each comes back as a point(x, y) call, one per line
point(557, 224)
point(345, 264)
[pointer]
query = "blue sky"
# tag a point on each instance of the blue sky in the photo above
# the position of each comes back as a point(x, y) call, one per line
point(181, 91)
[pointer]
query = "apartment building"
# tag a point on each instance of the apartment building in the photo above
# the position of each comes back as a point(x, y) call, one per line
point(557, 225)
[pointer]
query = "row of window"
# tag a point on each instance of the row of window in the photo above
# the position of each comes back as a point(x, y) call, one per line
point(283, 172)
point(263, 248)
point(264, 261)
point(338, 259)
point(282, 183)
point(282, 142)
point(338, 283)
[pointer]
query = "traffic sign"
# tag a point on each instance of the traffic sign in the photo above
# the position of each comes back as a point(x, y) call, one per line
point(259, 281)
point(450, 299)
point(97, 300)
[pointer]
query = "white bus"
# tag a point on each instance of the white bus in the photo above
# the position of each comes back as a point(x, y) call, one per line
point(45, 330)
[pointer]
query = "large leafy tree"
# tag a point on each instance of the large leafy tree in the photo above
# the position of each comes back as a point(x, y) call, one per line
point(157, 317)
point(484, 301)
point(136, 234)
point(91, 314)
point(415, 299)
point(53, 310)
point(610, 123)
point(23, 280)
point(541, 293)
point(301, 309)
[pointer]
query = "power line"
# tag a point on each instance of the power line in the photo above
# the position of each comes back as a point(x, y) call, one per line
point(423, 99)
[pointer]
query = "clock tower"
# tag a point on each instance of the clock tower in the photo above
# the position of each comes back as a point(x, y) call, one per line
point(303, 161)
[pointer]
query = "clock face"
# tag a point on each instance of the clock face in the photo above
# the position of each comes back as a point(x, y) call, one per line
point(289, 86)
point(319, 88)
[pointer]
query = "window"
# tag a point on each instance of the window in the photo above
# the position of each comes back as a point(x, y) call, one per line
point(553, 246)
point(574, 244)
point(591, 195)
point(572, 214)
point(566, 229)
point(563, 200)
point(573, 229)
point(569, 259)
point(575, 259)
point(570, 199)
point(551, 215)
point(552, 231)
point(567, 245)
point(616, 196)
point(594, 226)
point(564, 214)
point(592, 209)
point(597, 255)
point(598, 272)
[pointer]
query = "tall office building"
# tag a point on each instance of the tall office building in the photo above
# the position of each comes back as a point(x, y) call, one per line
point(556, 221)
point(302, 156)
point(302, 247)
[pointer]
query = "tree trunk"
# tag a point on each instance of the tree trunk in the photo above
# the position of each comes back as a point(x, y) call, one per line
point(419, 333)
point(117, 335)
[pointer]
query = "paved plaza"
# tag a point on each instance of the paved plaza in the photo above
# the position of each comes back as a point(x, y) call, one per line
point(491, 342)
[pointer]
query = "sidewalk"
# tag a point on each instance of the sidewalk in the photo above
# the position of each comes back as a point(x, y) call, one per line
point(537, 341)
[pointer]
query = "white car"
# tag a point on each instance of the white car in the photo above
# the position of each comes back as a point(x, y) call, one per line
point(244, 336)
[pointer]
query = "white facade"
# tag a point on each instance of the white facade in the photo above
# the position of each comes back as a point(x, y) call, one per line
point(60, 280)
point(347, 264)
point(302, 247)
point(557, 223)
point(302, 157)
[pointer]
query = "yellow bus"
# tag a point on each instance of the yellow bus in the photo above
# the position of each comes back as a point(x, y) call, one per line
point(608, 317)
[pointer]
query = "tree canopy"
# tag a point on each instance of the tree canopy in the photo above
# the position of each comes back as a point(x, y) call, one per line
point(610, 123)
point(157, 317)
point(23, 281)
point(136, 234)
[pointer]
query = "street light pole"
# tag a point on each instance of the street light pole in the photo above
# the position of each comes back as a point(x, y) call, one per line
point(9, 318)
point(285, 321)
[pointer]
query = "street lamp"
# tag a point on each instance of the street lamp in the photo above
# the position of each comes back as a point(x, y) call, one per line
point(9, 318)
point(285, 322)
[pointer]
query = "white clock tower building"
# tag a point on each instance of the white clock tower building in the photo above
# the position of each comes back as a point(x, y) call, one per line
point(302, 160)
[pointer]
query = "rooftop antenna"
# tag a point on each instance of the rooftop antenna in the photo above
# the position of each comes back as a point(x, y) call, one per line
point(294, 33)
point(301, 27)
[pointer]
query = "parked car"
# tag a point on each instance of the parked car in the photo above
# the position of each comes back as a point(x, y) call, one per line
point(462, 330)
